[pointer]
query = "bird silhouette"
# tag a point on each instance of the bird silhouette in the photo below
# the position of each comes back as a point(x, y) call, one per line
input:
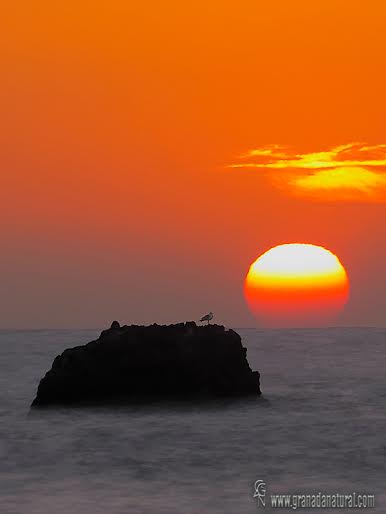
point(207, 317)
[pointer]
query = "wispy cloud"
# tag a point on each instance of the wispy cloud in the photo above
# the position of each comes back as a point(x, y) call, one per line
point(354, 171)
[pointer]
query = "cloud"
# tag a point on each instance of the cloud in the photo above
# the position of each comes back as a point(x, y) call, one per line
point(351, 183)
point(354, 171)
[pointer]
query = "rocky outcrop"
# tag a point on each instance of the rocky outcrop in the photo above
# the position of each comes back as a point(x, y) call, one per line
point(141, 363)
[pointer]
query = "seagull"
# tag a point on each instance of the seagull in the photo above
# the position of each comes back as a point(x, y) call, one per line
point(207, 317)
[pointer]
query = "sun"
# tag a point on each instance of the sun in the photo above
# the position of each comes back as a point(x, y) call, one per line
point(296, 285)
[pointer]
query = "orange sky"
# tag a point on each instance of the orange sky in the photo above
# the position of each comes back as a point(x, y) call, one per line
point(118, 126)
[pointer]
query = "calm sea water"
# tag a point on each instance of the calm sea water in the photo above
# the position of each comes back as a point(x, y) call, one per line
point(321, 428)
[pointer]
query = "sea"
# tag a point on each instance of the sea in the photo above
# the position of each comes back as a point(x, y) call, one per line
point(320, 428)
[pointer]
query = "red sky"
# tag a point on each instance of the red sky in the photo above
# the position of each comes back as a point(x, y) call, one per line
point(118, 126)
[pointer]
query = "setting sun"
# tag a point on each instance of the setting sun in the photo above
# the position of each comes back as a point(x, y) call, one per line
point(296, 285)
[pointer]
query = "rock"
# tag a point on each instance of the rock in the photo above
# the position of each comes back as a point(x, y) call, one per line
point(156, 362)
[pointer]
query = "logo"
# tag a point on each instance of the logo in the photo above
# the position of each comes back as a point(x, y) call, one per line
point(260, 491)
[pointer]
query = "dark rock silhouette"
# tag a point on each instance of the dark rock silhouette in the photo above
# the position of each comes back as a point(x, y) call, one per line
point(142, 363)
